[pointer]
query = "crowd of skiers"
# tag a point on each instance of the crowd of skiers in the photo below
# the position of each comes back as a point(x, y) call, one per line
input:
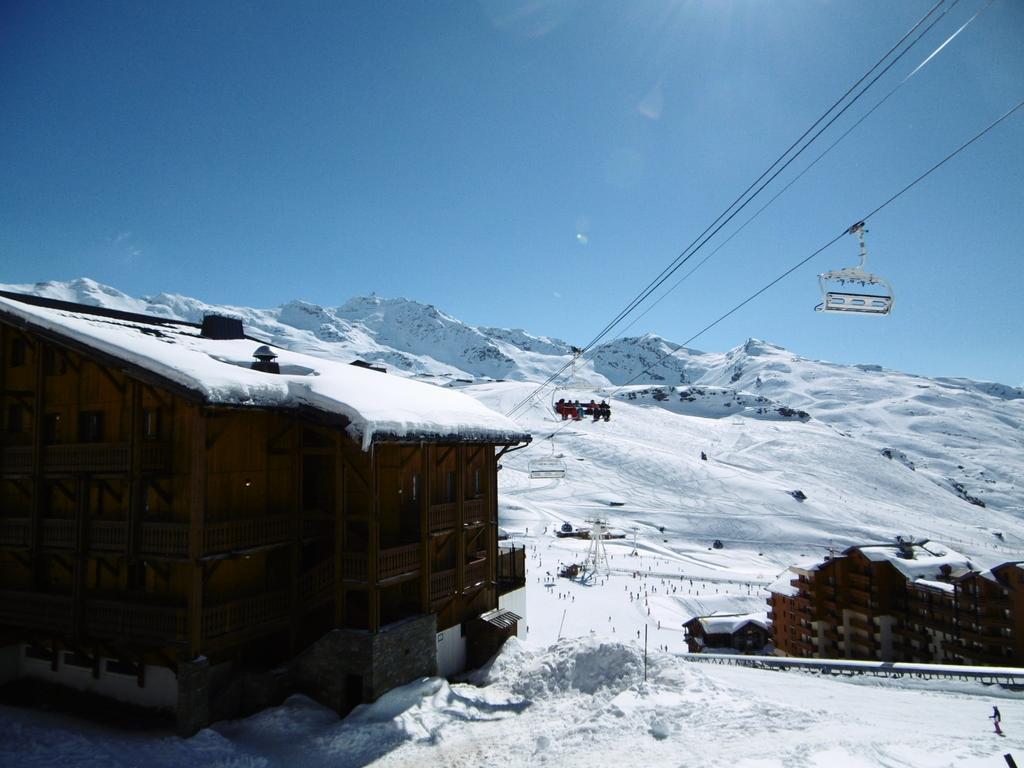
point(574, 409)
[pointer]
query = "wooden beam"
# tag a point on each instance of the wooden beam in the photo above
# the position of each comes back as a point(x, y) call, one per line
point(38, 484)
point(460, 528)
point(119, 385)
point(81, 559)
point(340, 468)
point(196, 422)
point(136, 483)
point(426, 543)
point(373, 553)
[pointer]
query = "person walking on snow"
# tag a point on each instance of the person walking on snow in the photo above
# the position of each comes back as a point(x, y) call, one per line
point(996, 718)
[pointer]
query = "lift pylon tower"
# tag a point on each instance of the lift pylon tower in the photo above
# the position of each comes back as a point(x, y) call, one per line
point(597, 557)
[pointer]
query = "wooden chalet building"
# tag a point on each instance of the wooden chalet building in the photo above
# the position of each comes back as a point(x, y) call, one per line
point(186, 527)
point(728, 633)
point(908, 601)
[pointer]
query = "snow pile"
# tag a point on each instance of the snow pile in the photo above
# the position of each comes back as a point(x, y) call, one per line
point(588, 665)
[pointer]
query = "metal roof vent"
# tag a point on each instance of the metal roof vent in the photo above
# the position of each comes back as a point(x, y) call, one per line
point(265, 360)
point(220, 327)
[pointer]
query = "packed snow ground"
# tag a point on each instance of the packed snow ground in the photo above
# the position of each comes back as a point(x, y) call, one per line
point(577, 703)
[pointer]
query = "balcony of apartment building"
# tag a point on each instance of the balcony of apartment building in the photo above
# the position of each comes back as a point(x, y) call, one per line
point(443, 516)
point(85, 458)
point(159, 539)
point(511, 569)
point(149, 620)
point(393, 564)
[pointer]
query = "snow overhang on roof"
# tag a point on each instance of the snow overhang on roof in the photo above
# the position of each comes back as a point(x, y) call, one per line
point(732, 623)
point(217, 372)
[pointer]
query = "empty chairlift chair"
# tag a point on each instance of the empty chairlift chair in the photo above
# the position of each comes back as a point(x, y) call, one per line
point(878, 302)
point(547, 468)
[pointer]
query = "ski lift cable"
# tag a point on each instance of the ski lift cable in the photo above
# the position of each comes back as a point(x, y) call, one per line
point(831, 242)
point(814, 162)
point(684, 256)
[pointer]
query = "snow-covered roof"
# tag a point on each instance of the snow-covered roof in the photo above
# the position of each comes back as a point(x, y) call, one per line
point(217, 371)
point(783, 585)
point(928, 559)
point(728, 624)
point(941, 586)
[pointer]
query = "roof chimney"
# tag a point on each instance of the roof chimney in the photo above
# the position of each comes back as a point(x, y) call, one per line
point(265, 360)
point(220, 327)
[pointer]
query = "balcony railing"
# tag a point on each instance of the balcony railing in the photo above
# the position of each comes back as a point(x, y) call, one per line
point(15, 532)
point(58, 532)
point(254, 532)
point(442, 585)
point(441, 517)
point(119, 619)
point(16, 460)
point(112, 458)
point(242, 615)
point(35, 611)
point(398, 561)
point(476, 572)
point(164, 539)
point(473, 512)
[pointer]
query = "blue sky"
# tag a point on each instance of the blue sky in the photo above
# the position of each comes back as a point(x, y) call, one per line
point(522, 163)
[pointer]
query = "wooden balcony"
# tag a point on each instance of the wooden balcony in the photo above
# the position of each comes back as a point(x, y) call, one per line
point(240, 535)
point(164, 540)
point(476, 572)
point(473, 512)
point(398, 561)
point(15, 532)
point(88, 458)
point(58, 533)
point(441, 517)
point(442, 584)
point(353, 566)
point(16, 460)
point(138, 622)
point(36, 611)
point(245, 615)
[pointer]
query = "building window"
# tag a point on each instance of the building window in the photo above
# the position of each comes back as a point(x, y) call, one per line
point(415, 487)
point(151, 424)
point(51, 428)
point(17, 358)
point(90, 426)
point(477, 489)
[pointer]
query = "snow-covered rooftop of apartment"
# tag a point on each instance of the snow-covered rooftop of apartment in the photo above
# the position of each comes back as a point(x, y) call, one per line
point(218, 371)
point(927, 562)
point(783, 585)
point(728, 624)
